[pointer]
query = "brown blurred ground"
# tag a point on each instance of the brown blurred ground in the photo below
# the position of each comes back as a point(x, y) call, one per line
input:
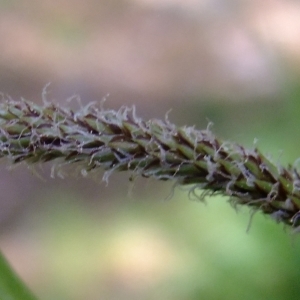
point(146, 51)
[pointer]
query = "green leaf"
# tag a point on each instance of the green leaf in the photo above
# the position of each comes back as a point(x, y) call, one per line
point(11, 287)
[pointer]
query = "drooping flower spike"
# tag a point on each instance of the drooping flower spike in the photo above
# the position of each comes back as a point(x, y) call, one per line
point(120, 141)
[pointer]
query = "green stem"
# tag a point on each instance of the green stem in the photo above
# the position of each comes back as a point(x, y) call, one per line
point(11, 287)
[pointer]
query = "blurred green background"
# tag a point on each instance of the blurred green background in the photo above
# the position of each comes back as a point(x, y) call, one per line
point(234, 63)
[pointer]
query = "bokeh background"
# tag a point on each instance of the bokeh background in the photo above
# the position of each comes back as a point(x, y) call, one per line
point(234, 63)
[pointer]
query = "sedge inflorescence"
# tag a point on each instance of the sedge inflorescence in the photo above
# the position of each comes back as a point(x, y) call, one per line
point(120, 141)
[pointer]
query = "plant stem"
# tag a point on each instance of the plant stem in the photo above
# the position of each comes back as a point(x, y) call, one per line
point(120, 141)
point(11, 288)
